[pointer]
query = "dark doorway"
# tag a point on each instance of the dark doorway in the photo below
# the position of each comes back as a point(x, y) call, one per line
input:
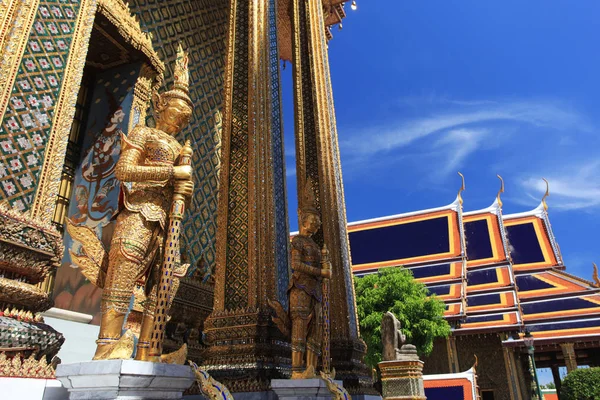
point(487, 395)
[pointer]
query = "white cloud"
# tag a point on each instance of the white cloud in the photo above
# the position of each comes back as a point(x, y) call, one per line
point(574, 188)
point(475, 113)
point(457, 145)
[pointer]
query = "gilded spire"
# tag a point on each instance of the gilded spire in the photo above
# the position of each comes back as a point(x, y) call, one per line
point(498, 199)
point(181, 73)
point(181, 77)
point(595, 276)
point(308, 201)
point(462, 188)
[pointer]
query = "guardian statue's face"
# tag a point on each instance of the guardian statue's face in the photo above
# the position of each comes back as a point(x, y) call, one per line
point(310, 223)
point(174, 115)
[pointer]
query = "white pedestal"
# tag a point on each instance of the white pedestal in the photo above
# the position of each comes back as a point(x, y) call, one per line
point(124, 380)
point(301, 389)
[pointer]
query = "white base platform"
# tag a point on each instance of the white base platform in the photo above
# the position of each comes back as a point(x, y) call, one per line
point(32, 389)
point(301, 389)
point(124, 380)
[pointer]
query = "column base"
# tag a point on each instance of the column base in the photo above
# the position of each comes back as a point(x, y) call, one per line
point(246, 351)
point(347, 356)
point(124, 379)
point(366, 397)
point(267, 395)
point(302, 389)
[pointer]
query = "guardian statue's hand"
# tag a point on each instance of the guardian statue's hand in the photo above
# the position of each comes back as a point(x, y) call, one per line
point(184, 187)
point(326, 273)
point(182, 172)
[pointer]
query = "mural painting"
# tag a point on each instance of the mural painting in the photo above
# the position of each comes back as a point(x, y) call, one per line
point(95, 197)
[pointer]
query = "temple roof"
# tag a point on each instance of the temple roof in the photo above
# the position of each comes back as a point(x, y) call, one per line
point(486, 279)
point(485, 242)
point(550, 283)
point(532, 242)
point(495, 272)
point(458, 386)
point(406, 239)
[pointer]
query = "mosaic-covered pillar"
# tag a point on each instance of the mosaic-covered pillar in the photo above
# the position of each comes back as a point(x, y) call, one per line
point(318, 159)
point(245, 349)
point(512, 373)
point(452, 354)
point(568, 350)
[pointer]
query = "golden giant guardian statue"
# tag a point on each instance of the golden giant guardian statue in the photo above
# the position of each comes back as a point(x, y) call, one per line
point(155, 173)
point(310, 266)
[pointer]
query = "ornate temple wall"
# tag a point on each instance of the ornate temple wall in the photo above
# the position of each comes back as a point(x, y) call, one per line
point(437, 362)
point(491, 372)
point(36, 87)
point(201, 27)
point(42, 59)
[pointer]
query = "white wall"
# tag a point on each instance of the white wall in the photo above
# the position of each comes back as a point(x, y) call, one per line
point(80, 339)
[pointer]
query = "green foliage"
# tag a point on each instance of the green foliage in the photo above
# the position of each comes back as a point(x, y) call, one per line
point(550, 385)
point(581, 384)
point(395, 290)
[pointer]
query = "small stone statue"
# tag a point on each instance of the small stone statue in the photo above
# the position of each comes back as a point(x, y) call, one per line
point(392, 337)
point(401, 369)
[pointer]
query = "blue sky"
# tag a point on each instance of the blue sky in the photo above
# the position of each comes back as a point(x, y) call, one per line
point(426, 88)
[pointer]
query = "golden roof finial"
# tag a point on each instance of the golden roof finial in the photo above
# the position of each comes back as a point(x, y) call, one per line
point(498, 199)
point(595, 276)
point(546, 194)
point(462, 188)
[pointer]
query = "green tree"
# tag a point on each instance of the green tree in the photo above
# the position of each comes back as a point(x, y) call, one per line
point(581, 384)
point(395, 290)
point(550, 385)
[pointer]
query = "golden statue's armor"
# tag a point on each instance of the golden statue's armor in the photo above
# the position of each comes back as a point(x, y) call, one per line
point(150, 175)
point(305, 293)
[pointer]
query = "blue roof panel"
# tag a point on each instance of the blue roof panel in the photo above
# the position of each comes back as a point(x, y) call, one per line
point(531, 282)
point(477, 236)
point(445, 393)
point(430, 270)
point(481, 277)
point(395, 242)
point(525, 247)
point(574, 303)
point(492, 298)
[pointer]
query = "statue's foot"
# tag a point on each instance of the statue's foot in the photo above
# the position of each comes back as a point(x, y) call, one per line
point(308, 373)
point(176, 357)
point(143, 354)
point(122, 349)
point(102, 351)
